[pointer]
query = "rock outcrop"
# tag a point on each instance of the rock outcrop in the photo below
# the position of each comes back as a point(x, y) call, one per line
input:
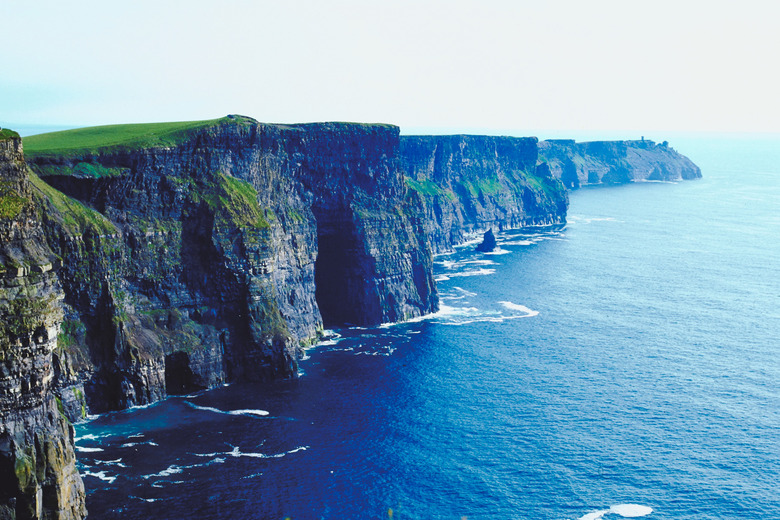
point(488, 243)
point(615, 162)
point(466, 184)
point(38, 475)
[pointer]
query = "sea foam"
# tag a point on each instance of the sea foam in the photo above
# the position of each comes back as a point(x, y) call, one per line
point(624, 510)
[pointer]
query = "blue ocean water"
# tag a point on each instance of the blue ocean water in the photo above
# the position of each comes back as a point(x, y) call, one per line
point(631, 357)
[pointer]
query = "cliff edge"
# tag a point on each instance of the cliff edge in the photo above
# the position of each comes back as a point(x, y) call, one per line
point(38, 475)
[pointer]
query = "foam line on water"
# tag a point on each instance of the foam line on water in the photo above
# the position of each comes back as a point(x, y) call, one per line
point(518, 307)
point(623, 510)
point(246, 413)
point(132, 444)
point(84, 449)
point(631, 510)
point(236, 452)
point(471, 272)
point(99, 474)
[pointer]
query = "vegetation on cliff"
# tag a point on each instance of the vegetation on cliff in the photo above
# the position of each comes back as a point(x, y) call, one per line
point(6, 133)
point(101, 139)
point(74, 216)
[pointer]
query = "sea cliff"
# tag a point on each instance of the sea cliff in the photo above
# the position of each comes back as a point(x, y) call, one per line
point(141, 261)
point(467, 184)
point(615, 162)
point(38, 475)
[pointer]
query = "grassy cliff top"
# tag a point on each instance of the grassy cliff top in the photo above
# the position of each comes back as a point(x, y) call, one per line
point(5, 133)
point(81, 141)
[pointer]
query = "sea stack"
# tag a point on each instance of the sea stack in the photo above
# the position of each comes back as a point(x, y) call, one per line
point(488, 242)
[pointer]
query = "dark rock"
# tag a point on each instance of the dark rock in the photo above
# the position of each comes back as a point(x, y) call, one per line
point(488, 243)
point(615, 162)
point(38, 475)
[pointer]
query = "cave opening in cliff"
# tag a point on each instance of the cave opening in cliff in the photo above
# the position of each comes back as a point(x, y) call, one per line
point(338, 283)
point(179, 378)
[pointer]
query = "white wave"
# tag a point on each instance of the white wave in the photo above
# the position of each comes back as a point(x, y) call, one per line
point(485, 319)
point(624, 510)
point(630, 510)
point(386, 353)
point(146, 499)
point(517, 243)
point(479, 261)
point(518, 307)
point(84, 449)
point(100, 474)
point(170, 470)
point(136, 436)
point(254, 475)
point(88, 437)
point(252, 413)
point(236, 452)
point(498, 251)
point(464, 291)
point(329, 342)
point(248, 412)
point(472, 272)
point(448, 315)
point(441, 278)
point(145, 443)
point(117, 462)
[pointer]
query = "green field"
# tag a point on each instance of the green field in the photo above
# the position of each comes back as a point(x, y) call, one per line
point(92, 140)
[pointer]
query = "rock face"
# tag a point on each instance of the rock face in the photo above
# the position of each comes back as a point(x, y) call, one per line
point(219, 255)
point(488, 243)
point(38, 475)
point(469, 183)
point(615, 162)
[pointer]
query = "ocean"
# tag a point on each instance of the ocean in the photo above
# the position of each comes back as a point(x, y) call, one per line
point(625, 365)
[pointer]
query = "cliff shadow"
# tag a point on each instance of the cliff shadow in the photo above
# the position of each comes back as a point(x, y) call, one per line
point(341, 274)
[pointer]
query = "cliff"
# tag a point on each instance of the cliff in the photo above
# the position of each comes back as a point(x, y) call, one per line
point(213, 252)
point(615, 162)
point(38, 476)
point(140, 261)
point(467, 184)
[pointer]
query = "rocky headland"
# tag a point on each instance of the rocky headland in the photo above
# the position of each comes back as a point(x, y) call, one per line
point(141, 261)
point(615, 162)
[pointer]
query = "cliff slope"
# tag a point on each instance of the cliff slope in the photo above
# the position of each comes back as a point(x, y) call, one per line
point(468, 183)
point(38, 476)
point(615, 162)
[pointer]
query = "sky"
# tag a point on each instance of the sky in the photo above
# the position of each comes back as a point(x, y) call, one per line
point(477, 65)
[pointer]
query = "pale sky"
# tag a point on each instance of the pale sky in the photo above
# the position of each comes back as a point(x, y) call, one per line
point(492, 64)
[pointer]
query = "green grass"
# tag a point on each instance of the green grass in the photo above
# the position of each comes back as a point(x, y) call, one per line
point(95, 139)
point(76, 217)
point(233, 201)
point(5, 134)
point(428, 188)
point(81, 169)
point(11, 203)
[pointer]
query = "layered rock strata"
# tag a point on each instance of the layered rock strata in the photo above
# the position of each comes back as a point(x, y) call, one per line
point(38, 475)
point(466, 184)
point(219, 256)
point(615, 162)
